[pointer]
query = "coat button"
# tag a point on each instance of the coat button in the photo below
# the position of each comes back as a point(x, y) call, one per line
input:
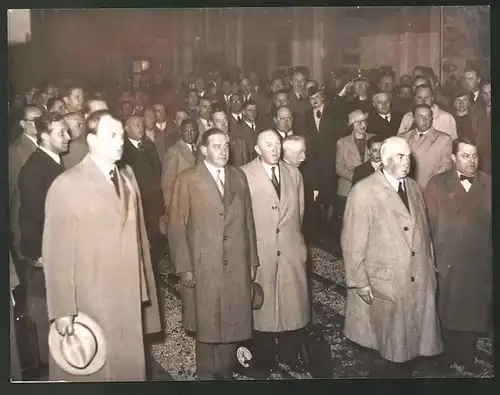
point(412, 279)
point(274, 207)
point(413, 253)
point(277, 230)
point(225, 263)
point(221, 214)
point(406, 229)
point(225, 237)
point(279, 253)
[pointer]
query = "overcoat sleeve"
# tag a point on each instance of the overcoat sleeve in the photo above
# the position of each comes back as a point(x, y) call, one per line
point(170, 164)
point(178, 227)
point(58, 252)
point(300, 181)
point(252, 235)
point(446, 159)
point(340, 163)
point(354, 238)
point(431, 202)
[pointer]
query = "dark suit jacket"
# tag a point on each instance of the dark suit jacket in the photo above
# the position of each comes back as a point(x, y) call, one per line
point(300, 106)
point(36, 176)
point(362, 171)
point(146, 166)
point(381, 127)
point(321, 151)
point(246, 133)
point(263, 103)
point(299, 124)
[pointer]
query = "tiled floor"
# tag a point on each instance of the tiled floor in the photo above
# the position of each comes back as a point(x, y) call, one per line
point(176, 354)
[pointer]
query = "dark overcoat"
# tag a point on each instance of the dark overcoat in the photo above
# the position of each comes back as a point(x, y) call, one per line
point(214, 237)
point(461, 230)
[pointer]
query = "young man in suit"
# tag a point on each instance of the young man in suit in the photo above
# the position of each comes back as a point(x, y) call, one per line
point(383, 120)
point(35, 178)
point(249, 126)
point(370, 166)
point(277, 192)
point(390, 272)
point(204, 120)
point(153, 133)
point(459, 207)
point(430, 148)
point(19, 152)
point(213, 247)
point(78, 147)
point(96, 255)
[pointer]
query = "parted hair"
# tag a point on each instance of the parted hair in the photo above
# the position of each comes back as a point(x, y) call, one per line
point(208, 133)
point(42, 124)
point(464, 140)
point(92, 122)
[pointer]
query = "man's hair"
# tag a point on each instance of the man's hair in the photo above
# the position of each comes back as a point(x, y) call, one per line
point(69, 88)
point(425, 86)
point(92, 122)
point(42, 124)
point(27, 108)
point(423, 105)
point(218, 109)
point(279, 108)
point(239, 94)
point(282, 92)
point(249, 103)
point(188, 121)
point(376, 93)
point(405, 86)
point(374, 139)
point(51, 101)
point(191, 90)
point(387, 144)
point(295, 138)
point(472, 69)
point(464, 140)
point(179, 111)
point(208, 133)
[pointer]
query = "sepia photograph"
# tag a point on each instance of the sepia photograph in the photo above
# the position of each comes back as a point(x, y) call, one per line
point(249, 193)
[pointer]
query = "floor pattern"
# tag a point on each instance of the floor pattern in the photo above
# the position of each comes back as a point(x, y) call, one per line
point(177, 353)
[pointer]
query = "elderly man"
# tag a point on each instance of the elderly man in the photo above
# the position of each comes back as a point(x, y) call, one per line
point(95, 255)
point(459, 206)
point(390, 272)
point(277, 193)
point(430, 148)
point(213, 246)
point(352, 151)
point(442, 120)
point(383, 121)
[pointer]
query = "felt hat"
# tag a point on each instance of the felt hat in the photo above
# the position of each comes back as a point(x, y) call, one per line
point(356, 116)
point(84, 352)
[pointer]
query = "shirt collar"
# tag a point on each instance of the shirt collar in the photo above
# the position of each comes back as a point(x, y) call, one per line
point(393, 181)
point(376, 165)
point(267, 168)
point(385, 115)
point(53, 155)
point(236, 115)
point(249, 123)
point(104, 167)
point(135, 142)
point(319, 109)
point(213, 170)
point(32, 139)
point(161, 125)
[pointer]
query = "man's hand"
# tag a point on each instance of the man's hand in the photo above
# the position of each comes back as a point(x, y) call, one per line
point(345, 89)
point(188, 279)
point(365, 293)
point(163, 225)
point(38, 262)
point(315, 195)
point(254, 272)
point(64, 325)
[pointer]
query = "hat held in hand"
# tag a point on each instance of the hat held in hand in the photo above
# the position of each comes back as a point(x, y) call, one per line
point(84, 352)
point(257, 296)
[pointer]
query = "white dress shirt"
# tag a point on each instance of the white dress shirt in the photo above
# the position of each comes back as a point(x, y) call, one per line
point(442, 121)
point(208, 124)
point(465, 183)
point(135, 143)
point(387, 117)
point(393, 181)
point(235, 116)
point(283, 135)
point(267, 168)
point(227, 98)
point(316, 119)
point(250, 125)
point(53, 155)
point(376, 165)
point(161, 126)
point(104, 167)
point(476, 95)
point(190, 146)
point(213, 171)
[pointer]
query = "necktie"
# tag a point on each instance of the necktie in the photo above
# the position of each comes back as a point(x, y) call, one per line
point(114, 179)
point(239, 118)
point(253, 127)
point(470, 179)
point(220, 184)
point(318, 114)
point(403, 196)
point(274, 180)
point(140, 146)
point(193, 149)
point(387, 118)
point(420, 135)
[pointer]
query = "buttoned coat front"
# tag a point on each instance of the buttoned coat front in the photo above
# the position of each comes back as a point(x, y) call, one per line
point(214, 237)
point(431, 154)
point(96, 260)
point(461, 230)
point(389, 248)
point(281, 247)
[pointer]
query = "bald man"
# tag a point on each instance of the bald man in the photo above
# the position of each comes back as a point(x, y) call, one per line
point(277, 193)
point(389, 263)
point(78, 147)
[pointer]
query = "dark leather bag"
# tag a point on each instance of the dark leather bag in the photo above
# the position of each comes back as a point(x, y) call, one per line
point(27, 344)
point(315, 353)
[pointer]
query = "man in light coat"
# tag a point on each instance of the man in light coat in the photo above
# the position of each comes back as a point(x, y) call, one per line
point(213, 247)
point(389, 263)
point(96, 257)
point(430, 148)
point(459, 206)
point(278, 206)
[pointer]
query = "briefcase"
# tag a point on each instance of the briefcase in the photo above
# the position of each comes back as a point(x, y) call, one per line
point(27, 344)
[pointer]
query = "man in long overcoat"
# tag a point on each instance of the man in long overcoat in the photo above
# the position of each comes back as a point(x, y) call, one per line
point(213, 247)
point(96, 256)
point(389, 263)
point(278, 206)
point(459, 206)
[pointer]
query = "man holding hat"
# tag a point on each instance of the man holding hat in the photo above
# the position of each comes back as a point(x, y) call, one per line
point(352, 151)
point(97, 265)
point(359, 86)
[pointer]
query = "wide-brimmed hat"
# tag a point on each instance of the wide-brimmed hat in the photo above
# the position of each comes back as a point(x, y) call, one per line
point(84, 352)
point(257, 296)
point(356, 116)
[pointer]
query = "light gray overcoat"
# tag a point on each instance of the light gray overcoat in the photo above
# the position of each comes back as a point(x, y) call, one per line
point(281, 247)
point(96, 260)
point(388, 248)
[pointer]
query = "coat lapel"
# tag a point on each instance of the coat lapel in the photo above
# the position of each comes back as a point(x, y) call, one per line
point(186, 152)
point(208, 185)
point(125, 188)
point(265, 182)
point(228, 188)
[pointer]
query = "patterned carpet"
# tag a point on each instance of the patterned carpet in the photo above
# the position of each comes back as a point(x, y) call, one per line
point(177, 353)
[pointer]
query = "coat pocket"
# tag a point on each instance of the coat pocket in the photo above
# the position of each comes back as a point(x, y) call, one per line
point(381, 281)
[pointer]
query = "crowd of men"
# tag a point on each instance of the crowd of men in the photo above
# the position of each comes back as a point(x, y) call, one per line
point(236, 179)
